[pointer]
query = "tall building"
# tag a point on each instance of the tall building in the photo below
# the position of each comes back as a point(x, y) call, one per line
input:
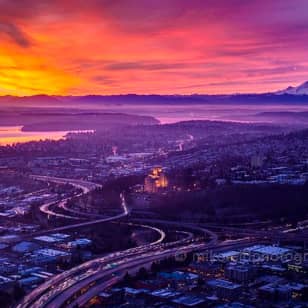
point(239, 273)
point(156, 181)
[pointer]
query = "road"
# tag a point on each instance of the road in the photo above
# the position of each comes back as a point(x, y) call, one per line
point(272, 234)
point(96, 275)
point(100, 281)
point(213, 236)
point(94, 279)
point(85, 187)
point(71, 279)
point(40, 296)
point(124, 213)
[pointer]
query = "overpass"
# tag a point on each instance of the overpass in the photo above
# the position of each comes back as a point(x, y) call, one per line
point(272, 234)
point(73, 279)
point(79, 285)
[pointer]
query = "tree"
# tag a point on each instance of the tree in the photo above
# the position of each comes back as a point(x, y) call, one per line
point(154, 267)
point(18, 292)
point(127, 278)
point(142, 273)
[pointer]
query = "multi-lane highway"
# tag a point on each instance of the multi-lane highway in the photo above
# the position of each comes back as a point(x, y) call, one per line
point(84, 186)
point(97, 274)
point(64, 290)
point(78, 285)
point(103, 280)
point(72, 280)
point(61, 287)
point(125, 212)
point(94, 276)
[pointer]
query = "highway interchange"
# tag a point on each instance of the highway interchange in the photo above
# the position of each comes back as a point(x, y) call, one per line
point(78, 285)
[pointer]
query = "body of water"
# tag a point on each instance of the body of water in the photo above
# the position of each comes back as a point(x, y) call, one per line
point(13, 134)
point(215, 112)
point(169, 114)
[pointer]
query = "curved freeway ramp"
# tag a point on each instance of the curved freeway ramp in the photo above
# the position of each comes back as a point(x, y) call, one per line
point(86, 187)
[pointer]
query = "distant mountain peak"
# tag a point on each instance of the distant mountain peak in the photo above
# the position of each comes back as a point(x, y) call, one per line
point(304, 85)
point(302, 89)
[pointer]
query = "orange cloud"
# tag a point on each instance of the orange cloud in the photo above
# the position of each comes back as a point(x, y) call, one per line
point(144, 46)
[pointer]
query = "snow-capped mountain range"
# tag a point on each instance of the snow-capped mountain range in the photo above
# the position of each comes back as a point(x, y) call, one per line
point(299, 90)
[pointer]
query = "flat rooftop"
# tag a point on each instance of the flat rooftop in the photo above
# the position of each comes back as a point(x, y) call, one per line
point(51, 252)
point(189, 301)
point(268, 250)
point(227, 254)
point(165, 293)
point(221, 283)
point(48, 239)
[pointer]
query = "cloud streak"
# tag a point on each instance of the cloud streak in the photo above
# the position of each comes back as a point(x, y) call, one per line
point(152, 46)
point(15, 34)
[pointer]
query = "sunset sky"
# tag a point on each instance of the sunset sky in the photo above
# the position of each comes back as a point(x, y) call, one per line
point(76, 47)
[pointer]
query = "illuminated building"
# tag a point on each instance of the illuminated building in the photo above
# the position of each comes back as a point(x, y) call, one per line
point(155, 181)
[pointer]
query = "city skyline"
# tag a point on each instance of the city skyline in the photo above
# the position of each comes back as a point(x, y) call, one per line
point(151, 47)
